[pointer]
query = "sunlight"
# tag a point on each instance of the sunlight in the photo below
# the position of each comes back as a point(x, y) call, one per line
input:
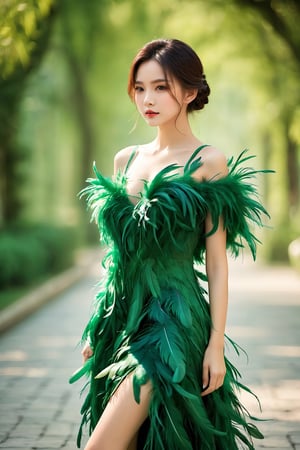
point(17, 355)
point(290, 351)
point(26, 372)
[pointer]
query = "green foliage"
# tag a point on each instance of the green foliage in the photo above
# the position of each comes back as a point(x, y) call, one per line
point(24, 35)
point(282, 17)
point(29, 253)
point(19, 31)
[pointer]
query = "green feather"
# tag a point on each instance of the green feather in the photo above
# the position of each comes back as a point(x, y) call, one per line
point(175, 303)
point(85, 369)
point(140, 377)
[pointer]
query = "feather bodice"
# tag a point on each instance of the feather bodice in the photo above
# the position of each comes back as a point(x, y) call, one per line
point(172, 207)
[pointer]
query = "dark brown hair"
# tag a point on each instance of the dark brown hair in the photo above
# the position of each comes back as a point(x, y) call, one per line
point(178, 60)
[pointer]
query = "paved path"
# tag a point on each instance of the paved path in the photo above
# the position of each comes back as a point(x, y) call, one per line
point(39, 410)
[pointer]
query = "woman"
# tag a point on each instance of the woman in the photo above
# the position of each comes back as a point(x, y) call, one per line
point(159, 379)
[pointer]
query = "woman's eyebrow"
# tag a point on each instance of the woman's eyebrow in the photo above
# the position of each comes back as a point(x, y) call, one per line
point(158, 80)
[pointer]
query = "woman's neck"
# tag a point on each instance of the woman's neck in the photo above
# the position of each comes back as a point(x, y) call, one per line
point(175, 137)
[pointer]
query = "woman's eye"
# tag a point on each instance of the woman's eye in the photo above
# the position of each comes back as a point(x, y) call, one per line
point(161, 87)
point(138, 89)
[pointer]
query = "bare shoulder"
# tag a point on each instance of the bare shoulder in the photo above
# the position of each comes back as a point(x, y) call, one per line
point(121, 158)
point(214, 164)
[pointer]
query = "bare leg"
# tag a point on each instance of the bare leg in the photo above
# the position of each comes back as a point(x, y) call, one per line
point(118, 426)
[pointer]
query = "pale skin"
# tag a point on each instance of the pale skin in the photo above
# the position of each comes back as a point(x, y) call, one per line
point(175, 142)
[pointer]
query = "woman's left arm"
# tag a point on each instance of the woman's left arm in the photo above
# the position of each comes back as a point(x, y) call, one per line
point(215, 166)
point(217, 272)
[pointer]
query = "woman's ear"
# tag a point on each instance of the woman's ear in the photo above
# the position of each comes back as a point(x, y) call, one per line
point(190, 95)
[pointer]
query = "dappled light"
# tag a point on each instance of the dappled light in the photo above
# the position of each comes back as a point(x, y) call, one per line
point(17, 355)
point(286, 351)
point(51, 347)
point(56, 341)
point(28, 372)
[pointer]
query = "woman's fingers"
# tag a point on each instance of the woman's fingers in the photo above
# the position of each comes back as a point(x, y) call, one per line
point(205, 378)
point(214, 369)
point(86, 352)
point(215, 382)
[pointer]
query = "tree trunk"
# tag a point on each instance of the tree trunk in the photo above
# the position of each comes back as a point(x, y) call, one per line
point(82, 111)
point(293, 175)
point(11, 94)
point(267, 10)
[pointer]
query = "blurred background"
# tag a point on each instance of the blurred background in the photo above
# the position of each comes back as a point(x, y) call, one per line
point(63, 104)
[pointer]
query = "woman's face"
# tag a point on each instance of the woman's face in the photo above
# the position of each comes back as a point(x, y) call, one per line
point(158, 100)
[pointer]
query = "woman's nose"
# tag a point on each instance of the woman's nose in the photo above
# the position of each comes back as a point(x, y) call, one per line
point(148, 99)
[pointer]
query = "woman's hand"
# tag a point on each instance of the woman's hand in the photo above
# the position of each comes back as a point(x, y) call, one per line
point(214, 369)
point(86, 352)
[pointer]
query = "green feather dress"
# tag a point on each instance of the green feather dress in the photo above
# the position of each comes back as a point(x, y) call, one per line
point(151, 317)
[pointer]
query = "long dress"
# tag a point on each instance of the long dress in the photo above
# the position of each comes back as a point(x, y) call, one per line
point(151, 316)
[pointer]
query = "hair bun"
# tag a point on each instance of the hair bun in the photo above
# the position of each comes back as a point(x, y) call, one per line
point(202, 97)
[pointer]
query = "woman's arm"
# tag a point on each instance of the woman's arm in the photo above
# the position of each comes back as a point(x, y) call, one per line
point(215, 166)
point(217, 273)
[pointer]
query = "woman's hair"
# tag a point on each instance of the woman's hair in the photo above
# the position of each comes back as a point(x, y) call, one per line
point(177, 60)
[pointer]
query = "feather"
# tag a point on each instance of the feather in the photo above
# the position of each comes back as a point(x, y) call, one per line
point(189, 167)
point(140, 377)
point(254, 431)
point(167, 341)
point(175, 303)
point(85, 369)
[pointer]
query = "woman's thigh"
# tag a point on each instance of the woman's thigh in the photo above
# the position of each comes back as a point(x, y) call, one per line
point(121, 419)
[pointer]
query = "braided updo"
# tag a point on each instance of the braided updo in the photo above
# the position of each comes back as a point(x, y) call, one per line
point(178, 60)
point(202, 97)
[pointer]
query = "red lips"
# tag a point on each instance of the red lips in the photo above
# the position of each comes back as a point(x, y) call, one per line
point(150, 113)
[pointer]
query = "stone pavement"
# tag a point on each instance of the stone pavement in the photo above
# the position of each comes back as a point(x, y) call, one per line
point(39, 410)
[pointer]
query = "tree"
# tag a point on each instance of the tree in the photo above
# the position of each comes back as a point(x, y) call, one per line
point(25, 29)
point(282, 18)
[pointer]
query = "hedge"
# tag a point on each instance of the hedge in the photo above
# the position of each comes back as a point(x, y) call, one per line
point(31, 252)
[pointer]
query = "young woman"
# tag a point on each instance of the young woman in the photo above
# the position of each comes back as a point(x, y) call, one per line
point(159, 379)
